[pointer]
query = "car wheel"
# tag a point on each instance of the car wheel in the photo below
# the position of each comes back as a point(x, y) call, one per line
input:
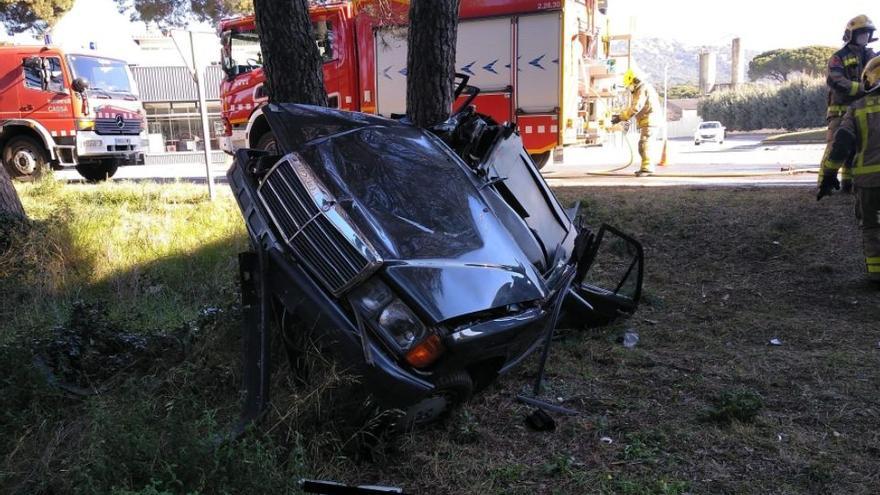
point(25, 159)
point(98, 171)
point(696, 143)
point(267, 143)
point(541, 159)
point(450, 390)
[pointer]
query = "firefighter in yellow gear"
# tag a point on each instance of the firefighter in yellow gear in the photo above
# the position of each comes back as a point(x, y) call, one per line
point(844, 80)
point(642, 106)
point(859, 134)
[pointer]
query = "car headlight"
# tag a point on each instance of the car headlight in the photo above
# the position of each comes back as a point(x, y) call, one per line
point(396, 322)
point(399, 322)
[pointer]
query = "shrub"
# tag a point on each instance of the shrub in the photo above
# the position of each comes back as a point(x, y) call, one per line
point(795, 105)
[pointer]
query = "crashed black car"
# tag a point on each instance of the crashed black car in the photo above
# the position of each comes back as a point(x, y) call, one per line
point(433, 260)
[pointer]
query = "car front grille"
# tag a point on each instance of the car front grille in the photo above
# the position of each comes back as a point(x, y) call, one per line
point(316, 228)
point(110, 126)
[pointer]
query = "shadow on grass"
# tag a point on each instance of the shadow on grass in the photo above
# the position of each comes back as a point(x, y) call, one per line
point(154, 411)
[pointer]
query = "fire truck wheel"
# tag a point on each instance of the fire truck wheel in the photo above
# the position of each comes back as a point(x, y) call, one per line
point(267, 143)
point(97, 171)
point(24, 158)
point(542, 159)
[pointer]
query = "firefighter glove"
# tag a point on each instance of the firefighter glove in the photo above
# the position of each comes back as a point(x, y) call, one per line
point(829, 182)
point(615, 119)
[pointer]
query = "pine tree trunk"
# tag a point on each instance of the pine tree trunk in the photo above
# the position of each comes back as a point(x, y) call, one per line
point(291, 62)
point(9, 203)
point(430, 61)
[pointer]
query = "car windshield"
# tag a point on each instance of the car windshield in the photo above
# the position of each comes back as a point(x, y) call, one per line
point(710, 125)
point(103, 74)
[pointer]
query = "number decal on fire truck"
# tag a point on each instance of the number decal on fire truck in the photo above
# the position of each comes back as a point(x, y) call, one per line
point(549, 5)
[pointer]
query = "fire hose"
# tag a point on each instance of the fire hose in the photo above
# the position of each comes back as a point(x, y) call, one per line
point(615, 172)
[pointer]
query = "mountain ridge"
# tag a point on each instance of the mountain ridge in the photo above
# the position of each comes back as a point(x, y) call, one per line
point(652, 54)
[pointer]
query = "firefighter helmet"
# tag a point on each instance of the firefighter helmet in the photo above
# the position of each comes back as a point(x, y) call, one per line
point(871, 75)
point(630, 78)
point(855, 24)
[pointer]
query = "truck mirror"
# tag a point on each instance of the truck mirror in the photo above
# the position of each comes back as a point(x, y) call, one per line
point(80, 85)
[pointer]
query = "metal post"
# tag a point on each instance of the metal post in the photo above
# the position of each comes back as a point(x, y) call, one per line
point(665, 103)
point(203, 113)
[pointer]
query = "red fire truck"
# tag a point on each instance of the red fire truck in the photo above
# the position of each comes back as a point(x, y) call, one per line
point(541, 64)
point(62, 109)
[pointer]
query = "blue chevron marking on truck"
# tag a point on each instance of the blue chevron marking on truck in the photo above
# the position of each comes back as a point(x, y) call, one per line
point(537, 62)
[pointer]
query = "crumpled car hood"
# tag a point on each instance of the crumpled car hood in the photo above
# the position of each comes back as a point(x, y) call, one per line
point(417, 202)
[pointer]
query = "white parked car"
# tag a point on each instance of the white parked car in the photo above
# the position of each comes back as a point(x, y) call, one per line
point(709, 131)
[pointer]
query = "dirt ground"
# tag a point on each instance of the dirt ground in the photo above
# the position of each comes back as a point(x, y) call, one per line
point(727, 271)
point(703, 404)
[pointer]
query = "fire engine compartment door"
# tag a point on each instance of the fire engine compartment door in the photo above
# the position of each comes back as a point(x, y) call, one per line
point(483, 52)
point(390, 49)
point(537, 88)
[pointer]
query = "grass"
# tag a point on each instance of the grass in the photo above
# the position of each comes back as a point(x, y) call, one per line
point(727, 271)
point(800, 137)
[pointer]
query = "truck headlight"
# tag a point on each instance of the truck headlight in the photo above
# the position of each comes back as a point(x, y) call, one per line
point(85, 124)
point(394, 320)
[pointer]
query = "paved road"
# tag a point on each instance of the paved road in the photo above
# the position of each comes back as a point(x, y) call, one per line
point(739, 155)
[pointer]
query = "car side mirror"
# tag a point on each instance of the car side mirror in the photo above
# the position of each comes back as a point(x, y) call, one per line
point(80, 85)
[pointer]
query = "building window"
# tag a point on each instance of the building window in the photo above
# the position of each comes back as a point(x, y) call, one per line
point(177, 126)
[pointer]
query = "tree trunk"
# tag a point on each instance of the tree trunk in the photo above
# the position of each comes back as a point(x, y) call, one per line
point(430, 60)
point(292, 65)
point(9, 203)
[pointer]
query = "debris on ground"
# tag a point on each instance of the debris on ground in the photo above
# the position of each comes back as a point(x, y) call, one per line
point(82, 356)
point(775, 342)
point(630, 338)
point(606, 440)
point(539, 420)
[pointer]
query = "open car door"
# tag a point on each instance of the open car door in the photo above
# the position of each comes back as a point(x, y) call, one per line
point(609, 280)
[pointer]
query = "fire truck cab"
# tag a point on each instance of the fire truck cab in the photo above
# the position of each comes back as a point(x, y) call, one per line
point(543, 65)
point(67, 110)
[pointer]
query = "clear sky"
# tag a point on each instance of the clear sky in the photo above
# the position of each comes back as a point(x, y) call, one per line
point(762, 24)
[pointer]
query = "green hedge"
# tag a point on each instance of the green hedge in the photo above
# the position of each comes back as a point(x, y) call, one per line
point(798, 104)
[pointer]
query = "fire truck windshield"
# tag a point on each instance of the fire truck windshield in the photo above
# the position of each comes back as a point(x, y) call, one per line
point(241, 51)
point(104, 74)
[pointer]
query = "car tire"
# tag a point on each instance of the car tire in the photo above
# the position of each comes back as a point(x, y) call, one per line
point(450, 391)
point(541, 159)
point(98, 171)
point(267, 143)
point(25, 158)
point(696, 143)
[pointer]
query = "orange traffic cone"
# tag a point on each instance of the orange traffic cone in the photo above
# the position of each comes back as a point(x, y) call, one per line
point(662, 161)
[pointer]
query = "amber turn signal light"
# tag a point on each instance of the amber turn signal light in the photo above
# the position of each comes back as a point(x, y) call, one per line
point(426, 352)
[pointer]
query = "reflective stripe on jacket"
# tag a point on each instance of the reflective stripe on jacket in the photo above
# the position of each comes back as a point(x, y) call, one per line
point(644, 101)
point(862, 120)
point(844, 75)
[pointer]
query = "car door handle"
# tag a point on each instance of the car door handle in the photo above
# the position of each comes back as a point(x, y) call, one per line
point(26, 108)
